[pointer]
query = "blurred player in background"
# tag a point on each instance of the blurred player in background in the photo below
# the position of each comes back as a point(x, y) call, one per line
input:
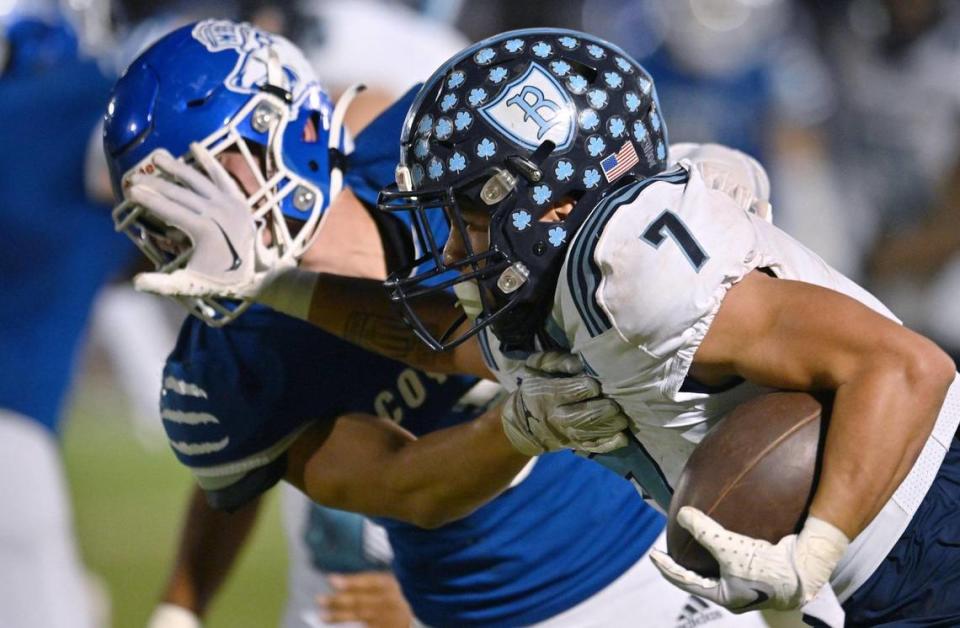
point(55, 258)
point(339, 565)
point(900, 161)
point(563, 546)
point(744, 74)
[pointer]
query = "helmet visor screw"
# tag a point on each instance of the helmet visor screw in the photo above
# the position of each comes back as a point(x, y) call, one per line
point(264, 118)
point(512, 278)
point(303, 198)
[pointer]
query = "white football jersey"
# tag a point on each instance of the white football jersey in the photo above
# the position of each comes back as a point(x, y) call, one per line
point(641, 284)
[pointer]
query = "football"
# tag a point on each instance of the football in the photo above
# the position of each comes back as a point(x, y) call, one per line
point(755, 473)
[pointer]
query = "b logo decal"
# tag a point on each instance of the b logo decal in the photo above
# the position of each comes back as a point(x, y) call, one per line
point(533, 108)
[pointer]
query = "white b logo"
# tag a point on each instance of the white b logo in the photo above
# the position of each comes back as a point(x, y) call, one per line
point(533, 108)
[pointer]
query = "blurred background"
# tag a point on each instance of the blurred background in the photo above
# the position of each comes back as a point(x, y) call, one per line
point(853, 106)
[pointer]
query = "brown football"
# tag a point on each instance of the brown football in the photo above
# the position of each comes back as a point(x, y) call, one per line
point(754, 473)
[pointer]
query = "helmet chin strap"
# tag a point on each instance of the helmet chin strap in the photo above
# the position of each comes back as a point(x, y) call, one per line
point(336, 132)
point(275, 74)
point(333, 146)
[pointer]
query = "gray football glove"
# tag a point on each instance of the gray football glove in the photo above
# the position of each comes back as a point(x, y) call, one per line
point(558, 407)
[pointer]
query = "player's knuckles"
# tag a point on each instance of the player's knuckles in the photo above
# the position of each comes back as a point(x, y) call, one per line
point(606, 445)
point(343, 601)
point(575, 388)
point(581, 418)
point(595, 412)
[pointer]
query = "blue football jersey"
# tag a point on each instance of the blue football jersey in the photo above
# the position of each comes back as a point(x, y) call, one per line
point(59, 248)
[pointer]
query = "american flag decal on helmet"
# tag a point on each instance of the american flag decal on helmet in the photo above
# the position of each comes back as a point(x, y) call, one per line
point(618, 163)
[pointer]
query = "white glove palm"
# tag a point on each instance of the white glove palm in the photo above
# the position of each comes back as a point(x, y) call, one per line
point(753, 573)
point(557, 407)
point(228, 259)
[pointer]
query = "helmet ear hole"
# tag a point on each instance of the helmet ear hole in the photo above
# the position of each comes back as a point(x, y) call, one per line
point(587, 71)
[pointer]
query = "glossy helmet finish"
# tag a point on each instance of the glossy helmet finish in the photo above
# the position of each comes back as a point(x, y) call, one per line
point(515, 125)
point(226, 86)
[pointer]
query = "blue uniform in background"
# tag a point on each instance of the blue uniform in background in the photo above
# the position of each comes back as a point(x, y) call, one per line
point(59, 248)
point(732, 109)
point(233, 397)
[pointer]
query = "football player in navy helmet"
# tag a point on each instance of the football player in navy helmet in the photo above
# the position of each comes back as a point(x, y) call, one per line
point(519, 127)
point(539, 418)
point(683, 305)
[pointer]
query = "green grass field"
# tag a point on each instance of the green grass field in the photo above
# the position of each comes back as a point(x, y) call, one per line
point(128, 500)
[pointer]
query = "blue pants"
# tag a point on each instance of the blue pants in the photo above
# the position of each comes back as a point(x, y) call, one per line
point(918, 583)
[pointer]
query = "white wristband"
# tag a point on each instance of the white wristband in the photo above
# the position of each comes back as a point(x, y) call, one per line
point(172, 616)
point(289, 291)
point(829, 540)
point(820, 546)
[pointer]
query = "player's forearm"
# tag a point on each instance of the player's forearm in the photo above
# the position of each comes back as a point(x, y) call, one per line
point(374, 467)
point(209, 543)
point(471, 464)
point(359, 311)
point(879, 424)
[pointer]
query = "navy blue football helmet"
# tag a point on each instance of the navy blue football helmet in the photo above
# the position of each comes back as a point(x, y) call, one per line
point(516, 125)
point(227, 86)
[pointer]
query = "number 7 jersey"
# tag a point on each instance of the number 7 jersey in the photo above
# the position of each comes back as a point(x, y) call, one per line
point(641, 284)
point(640, 287)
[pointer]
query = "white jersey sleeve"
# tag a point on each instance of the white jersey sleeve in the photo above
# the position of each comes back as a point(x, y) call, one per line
point(651, 266)
point(641, 285)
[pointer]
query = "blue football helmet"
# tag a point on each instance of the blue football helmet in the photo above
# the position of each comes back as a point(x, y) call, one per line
point(227, 86)
point(513, 126)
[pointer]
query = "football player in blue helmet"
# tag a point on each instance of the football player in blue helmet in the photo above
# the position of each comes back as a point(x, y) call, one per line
point(256, 101)
point(517, 127)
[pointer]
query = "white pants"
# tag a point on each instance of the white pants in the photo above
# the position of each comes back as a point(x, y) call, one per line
point(642, 597)
point(42, 582)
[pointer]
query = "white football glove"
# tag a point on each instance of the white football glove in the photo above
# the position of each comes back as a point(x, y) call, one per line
point(756, 574)
point(173, 616)
point(557, 407)
point(732, 172)
point(229, 259)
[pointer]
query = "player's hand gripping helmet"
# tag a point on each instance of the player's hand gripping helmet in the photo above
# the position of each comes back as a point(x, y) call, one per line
point(227, 87)
point(515, 125)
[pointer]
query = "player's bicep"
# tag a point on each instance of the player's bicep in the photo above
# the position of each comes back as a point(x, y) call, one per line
point(794, 335)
